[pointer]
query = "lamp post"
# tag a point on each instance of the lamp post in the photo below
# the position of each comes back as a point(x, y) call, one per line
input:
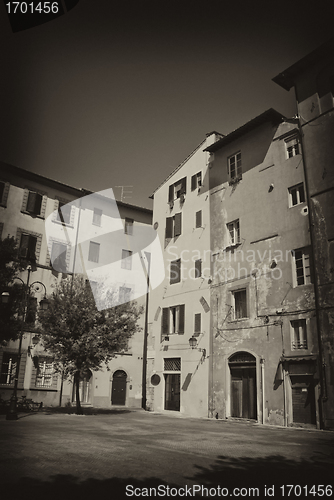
point(12, 412)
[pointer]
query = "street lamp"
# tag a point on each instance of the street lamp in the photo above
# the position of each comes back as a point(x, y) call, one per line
point(12, 412)
point(193, 345)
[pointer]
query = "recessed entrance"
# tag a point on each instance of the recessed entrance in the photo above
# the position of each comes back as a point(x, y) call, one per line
point(118, 391)
point(243, 385)
point(303, 400)
point(172, 391)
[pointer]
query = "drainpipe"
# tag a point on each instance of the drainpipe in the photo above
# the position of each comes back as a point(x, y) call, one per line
point(322, 364)
point(263, 394)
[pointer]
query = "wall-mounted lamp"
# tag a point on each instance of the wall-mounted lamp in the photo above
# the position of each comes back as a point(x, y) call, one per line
point(5, 297)
point(193, 345)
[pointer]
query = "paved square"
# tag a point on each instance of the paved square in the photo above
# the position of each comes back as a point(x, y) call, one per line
point(131, 454)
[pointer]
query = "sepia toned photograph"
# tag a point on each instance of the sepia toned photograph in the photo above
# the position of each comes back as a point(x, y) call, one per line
point(166, 249)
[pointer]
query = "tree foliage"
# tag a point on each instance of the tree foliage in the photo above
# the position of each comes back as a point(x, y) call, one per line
point(11, 313)
point(80, 337)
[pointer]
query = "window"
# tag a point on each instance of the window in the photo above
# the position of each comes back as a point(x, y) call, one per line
point(34, 203)
point(64, 213)
point(58, 257)
point(126, 259)
point(177, 189)
point(128, 226)
point(124, 294)
point(234, 167)
point(296, 195)
point(4, 190)
point(97, 216)
point(27, 247)
point(8, 368)
point(196, 181)
point(175, 271)
point(172, 320)
point(94, 251)
point(298, 334)
point(292, 146)
point(44, 372)
point(303, 274)
point(198, 268)
point(240, 304)
point(172, 364)
point(234, 232)
point(198, 219)
point(174, 226)
point(197, 323)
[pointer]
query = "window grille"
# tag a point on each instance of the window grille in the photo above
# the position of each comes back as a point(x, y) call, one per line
point(172, 364)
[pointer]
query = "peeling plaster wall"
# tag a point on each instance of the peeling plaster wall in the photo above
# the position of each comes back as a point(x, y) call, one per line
point(262, 264)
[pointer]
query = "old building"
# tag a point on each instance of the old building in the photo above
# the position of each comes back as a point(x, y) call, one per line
point(313, 81)
point(179, 307)
point(71, 230)
point(264, 345)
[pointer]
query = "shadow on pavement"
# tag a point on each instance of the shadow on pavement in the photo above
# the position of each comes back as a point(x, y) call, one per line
point(271, 470)
point(225, 472)
point(86, 411)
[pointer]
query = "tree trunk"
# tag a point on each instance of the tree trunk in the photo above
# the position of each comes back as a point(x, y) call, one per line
point(77, 393)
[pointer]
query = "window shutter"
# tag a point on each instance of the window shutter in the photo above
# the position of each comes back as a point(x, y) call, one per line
point(198, 268)
point(198, 323)
point(4, 197)
point(178, 224)
point(25, 200)
point(94, 251)
point(165, 321)
point(175, 271)
point(199, 218)
point(171, 193)
point(193, 182)
point(181, 319)
point(32, 247)
point(38, 203)
point(184, 185)
point(22, 371)
point(169, 227)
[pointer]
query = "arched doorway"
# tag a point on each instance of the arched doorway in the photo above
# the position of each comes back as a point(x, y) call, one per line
point(85, 388)
point(118, 391)
point(243, 385)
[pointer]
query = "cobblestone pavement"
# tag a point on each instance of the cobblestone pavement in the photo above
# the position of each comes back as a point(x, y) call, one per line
point(135, 454)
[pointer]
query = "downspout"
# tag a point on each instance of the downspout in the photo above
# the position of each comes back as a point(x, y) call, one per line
point(322, 365)
point(263, 393)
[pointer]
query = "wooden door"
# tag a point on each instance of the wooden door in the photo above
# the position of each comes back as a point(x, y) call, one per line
point(172, 392)
point(243, 392)
point(118, 392)
point(303, 401)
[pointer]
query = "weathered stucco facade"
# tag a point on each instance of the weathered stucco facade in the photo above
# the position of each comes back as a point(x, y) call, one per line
point(313, 80)
point(264, 336)
point(122, 385)
point(179, 307)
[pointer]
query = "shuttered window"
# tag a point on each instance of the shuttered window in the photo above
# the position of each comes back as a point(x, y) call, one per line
point(196, 181)
point(94, 251)
point(240, 304)
point(58, 257)
point(128, 227)
point(177, 224)
point(197, 328)
point(234, 166)
point(174, 225)
point(124, 294)
point(44, 373)
point(27, 249)
point(199, 218)
point(4, 190)
point(177, 189)
point(175, 271)
point(97, 216)
point(64, 213)
point(198, 268)
point(172, 320)
point(34, 203)
point(8, 368)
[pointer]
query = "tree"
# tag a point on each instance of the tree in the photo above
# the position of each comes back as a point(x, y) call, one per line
point(80, 337)
point(10, 267)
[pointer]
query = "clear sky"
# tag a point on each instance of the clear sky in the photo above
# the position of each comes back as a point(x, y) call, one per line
point(120, 92)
